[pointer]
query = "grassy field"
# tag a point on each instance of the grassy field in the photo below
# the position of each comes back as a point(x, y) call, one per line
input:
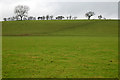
point(61, 28)
point(60, 49)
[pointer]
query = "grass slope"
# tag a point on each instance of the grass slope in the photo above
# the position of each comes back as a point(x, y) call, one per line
point(87, 49)
point(64, 27)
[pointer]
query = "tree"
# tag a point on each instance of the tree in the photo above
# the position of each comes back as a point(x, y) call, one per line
point(21, 11)
point(30, 18)
point(39, 18)
point(51, 17)
point(13, 18)
point(34, 18)
point(9, 19)
point(43, 17)
point(5, 19)
point(70, 17)
point(47, 17)
point(89, 14)
point(59, 17)
point(100, 16)
point(67, 17)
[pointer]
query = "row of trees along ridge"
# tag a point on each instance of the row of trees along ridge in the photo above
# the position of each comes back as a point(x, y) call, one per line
point(21, 12)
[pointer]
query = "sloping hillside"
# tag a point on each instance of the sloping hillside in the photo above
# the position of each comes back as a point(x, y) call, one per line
point(58, 27)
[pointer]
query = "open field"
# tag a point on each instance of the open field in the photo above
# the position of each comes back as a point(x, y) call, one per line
point(60, 49)
point(61, 28)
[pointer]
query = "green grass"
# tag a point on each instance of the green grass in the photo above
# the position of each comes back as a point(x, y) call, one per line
point(62, 27)
point(60, 49)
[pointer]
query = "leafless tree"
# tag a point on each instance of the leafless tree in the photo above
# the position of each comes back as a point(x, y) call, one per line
point(67, 17)
point(51, 17)
point(21, 11)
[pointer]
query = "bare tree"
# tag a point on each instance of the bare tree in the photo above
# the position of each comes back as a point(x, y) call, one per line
point(89, 14)
point(21, 11)
point(51, 17)
point(100, 16)
point(67, 17)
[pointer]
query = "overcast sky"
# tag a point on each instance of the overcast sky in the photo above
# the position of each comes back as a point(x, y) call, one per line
point(107, 8)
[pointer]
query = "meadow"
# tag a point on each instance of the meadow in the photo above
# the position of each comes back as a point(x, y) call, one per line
point(60, 49)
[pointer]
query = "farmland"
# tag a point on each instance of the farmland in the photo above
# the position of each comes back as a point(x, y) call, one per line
point(60, 49)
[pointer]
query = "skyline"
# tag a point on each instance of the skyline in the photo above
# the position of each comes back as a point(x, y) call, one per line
point(38, 8)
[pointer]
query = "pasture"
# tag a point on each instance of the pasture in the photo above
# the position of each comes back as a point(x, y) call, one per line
point(60, 49)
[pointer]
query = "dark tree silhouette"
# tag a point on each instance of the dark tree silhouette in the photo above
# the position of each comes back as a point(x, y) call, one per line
point(43, 18)
point(9, 19)
point(21, 11)
point(59, 17)
point(39, 18)
point(100, 16)
point(51, 17)
point(70, 17)
point(67, 17)
point(5, 19)
point(47, 17)
point(89, 14)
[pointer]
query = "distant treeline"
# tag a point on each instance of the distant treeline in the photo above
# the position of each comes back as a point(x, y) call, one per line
point(47, 17)
point(21, 12)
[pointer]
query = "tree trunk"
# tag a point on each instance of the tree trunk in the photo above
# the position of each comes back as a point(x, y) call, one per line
point(88, 17)
point(21, 18)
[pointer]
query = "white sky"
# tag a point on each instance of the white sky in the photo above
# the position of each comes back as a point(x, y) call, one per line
point(107, 8)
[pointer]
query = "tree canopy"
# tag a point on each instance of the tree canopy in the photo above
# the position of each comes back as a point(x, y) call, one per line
point(21, 11)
